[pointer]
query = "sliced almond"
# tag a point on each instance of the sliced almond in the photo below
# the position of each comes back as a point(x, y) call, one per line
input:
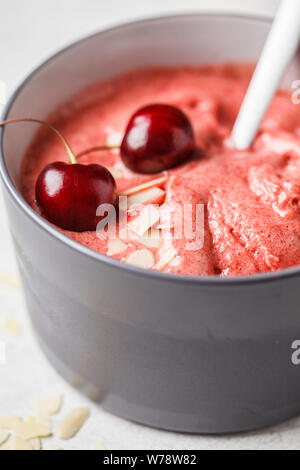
point(53, 447)
point(129, 235)
point(98, 446)
point(35, 443)
point(50, 405)
point(31, 428)
point(72, 423)
point(117, 174)
point(10, 326)
point(153, 195)
point(114, 139)
point(44, 420)
point(143, 222)
point(166, 258)
point(141, 259)
point(115, 247)
point(4, 435)
point(9, 422)
point(152, 238)
point(10, 280)
point(141, 187)
point(176, 262)
point(16, 443)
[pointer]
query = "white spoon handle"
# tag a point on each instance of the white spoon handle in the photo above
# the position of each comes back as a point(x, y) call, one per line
point(279, 50)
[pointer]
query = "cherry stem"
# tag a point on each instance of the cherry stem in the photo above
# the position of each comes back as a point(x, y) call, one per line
point(98, 149)
point(71, 154)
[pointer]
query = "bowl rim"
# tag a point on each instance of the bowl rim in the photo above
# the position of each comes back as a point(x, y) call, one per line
point(43, 224)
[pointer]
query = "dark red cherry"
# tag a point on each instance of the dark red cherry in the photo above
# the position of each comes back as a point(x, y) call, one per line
point(69, 195)
point(158, 137)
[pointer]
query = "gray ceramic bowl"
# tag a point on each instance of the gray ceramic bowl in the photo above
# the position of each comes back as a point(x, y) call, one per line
point(202, 355)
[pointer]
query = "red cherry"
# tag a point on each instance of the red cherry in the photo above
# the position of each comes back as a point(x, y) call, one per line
point(158, 137)
point(69, 195)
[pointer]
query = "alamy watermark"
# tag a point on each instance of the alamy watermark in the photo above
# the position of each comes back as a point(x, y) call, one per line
point(296, 352)
point(183, 222)
point(296, 93)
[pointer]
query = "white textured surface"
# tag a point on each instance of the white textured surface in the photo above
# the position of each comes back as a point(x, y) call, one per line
point(29, 31)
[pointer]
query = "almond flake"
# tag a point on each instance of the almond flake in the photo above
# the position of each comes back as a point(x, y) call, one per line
point(153, 195)
point(117, 174)
point(16, 443)
point(35, 443)
point(152, 238)
point(4, 435)
point(53, 447)
point(166, 258)
point(10, 326)
point(31, 428)
point(114, 139)
point(176, 262)
point(147, 218)
point(115, 247)
point(44, 420)
point(50, 405)
point(9, 422)
point(9, 280)
point(141, 259)
point(98, 446)
point(72, 423)
point(129, 235)
point(141, 187)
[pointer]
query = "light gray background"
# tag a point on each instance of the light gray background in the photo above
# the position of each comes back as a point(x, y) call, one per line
point(30, 31)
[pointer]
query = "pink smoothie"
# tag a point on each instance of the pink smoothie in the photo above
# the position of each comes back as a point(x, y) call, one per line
point(250, 200)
